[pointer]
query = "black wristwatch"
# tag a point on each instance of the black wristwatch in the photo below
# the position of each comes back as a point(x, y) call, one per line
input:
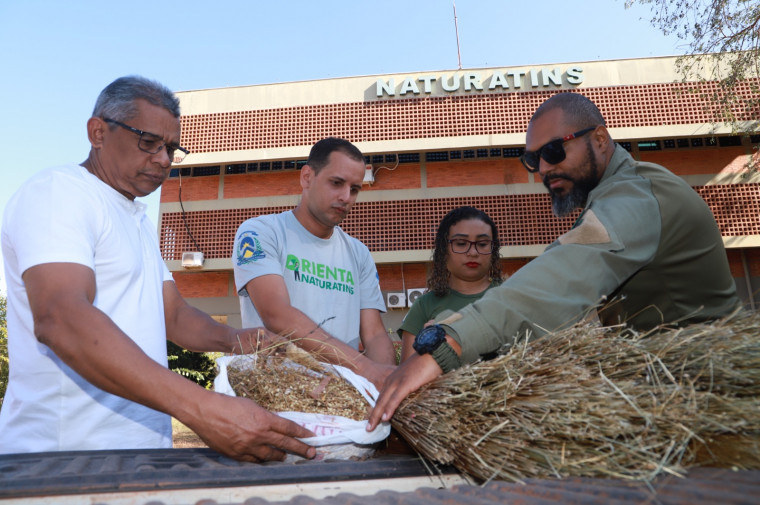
point(432, 340)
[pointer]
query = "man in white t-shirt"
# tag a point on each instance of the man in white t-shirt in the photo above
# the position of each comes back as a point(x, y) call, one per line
point(300, 275)
point(91, 304)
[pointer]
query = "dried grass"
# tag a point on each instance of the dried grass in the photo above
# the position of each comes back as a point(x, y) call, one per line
point(294, 381)
point(591, 401)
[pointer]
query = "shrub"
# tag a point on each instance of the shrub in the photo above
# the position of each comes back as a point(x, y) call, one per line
point(199, 367)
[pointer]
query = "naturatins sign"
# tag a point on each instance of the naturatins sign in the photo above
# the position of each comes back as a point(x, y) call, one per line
point(474, 81)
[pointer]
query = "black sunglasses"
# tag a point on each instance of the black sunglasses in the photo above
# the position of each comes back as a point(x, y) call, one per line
point(552, 152)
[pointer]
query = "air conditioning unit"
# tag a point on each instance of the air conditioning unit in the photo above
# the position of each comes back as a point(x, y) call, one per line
point(395, 300)
point(369, 176)
point(413, 293)
point(192, 260)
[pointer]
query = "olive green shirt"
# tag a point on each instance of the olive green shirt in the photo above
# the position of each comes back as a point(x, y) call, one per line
point(429, 305)
point(645, 238)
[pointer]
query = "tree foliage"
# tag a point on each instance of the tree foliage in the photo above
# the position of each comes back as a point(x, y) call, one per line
point(199, 367)
point(722, 41)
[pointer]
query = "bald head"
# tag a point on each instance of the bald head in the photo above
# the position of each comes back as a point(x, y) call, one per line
point(578, 111)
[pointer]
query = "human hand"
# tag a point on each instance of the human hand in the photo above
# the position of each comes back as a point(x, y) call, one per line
point(429, 323)
point(257, 341)
point(376, 373)
point(240, 429)
point(411, 375)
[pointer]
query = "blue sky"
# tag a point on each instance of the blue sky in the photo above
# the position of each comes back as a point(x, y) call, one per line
point(56, 56)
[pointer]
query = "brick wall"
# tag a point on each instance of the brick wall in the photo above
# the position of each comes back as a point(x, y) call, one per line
point(752, 256)
point(204, 284)
point(401, 177)
point(699, 161)
point(262, 184)
point(472, 173)
point(512, 265)
point(193, 189)
point(392, 278)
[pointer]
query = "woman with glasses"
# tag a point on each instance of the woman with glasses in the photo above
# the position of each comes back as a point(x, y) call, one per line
point(466, 264)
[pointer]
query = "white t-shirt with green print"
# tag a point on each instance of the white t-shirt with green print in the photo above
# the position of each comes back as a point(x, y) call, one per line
point(330, 280)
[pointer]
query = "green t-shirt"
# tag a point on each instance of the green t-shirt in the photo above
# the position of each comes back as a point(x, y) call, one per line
point(428, 306)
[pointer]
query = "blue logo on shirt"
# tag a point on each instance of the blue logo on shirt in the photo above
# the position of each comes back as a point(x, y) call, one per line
point(249, 248)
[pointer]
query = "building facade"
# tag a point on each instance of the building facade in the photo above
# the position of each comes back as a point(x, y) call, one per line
point(434, 141)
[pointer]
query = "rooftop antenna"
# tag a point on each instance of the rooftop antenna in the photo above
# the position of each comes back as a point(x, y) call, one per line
point(456, 30)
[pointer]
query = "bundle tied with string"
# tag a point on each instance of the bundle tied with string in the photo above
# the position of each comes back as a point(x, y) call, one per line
point(592, 401)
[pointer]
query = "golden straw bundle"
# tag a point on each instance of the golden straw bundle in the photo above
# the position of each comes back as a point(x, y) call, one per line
point(295, 381)
point(591, 401)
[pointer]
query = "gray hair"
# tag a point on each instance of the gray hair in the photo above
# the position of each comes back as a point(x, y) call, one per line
point(117, 100)
point(578, 110)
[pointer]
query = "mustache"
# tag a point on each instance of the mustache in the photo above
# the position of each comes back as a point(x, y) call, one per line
point(550, 177)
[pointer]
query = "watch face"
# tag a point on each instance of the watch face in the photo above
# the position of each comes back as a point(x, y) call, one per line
point(429, 339)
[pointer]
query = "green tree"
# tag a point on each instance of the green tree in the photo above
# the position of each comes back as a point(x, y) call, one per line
point(199, 367)
point(3, 349)
point(722, 39)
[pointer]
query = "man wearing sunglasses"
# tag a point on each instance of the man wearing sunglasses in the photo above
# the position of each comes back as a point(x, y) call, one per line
point(91, 304)
point(645, 243)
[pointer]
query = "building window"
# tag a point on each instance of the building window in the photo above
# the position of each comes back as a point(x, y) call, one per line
point(206, 171)
point(186, 171)
point(649, 145)
point(731, 141)
point(513, 152)
point(237, 168)
point(463, 154)
point(409, 158)
point(437, 156)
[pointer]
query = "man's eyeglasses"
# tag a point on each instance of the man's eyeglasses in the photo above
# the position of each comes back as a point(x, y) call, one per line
point(552, 152)
point(151, 143)
point(462, 246)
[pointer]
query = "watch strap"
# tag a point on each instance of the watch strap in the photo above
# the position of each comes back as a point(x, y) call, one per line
point(446, 357)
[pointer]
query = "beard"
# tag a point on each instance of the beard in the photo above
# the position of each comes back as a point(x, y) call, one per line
point(564, 204)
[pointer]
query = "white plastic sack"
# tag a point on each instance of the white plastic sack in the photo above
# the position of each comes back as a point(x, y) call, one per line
point(328, 430)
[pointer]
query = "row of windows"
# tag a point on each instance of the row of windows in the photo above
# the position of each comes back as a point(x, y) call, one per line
point(464, 154)
point(469, 154)
point(263, 166)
